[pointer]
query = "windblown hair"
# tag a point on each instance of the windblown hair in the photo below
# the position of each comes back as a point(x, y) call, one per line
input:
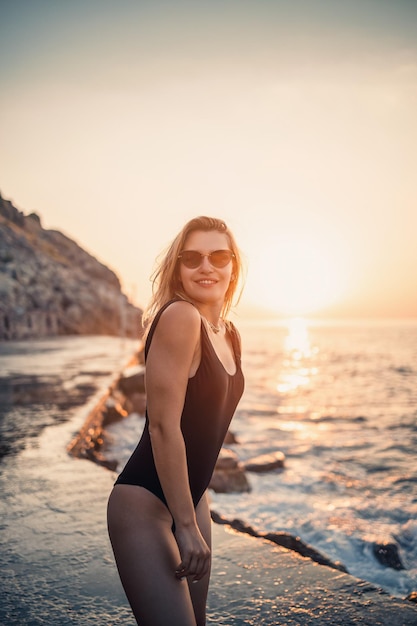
point(166, 282)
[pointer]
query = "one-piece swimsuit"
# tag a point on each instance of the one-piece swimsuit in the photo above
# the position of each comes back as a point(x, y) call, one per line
point(211, 399)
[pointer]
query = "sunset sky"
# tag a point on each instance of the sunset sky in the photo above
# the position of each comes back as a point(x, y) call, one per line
point(293, 120)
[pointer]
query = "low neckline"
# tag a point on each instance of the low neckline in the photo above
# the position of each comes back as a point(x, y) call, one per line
point(235, 360)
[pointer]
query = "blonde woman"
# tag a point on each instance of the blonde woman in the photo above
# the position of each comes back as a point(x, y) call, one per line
point(158, 513)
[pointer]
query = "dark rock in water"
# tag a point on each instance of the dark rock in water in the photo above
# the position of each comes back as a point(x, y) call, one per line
point(266, 462)
point(50, 286)
point(231, 481)
point(283, 539)
point(296, 544)
point(360, 419)
point(387, 554)
point(135, 403)
point(412, 597)
point(229, 474)
point(113, 412)
point(132, 380)
point(227, 460)
point(89, 441)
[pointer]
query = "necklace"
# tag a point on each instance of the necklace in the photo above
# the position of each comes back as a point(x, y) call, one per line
point(214, 328)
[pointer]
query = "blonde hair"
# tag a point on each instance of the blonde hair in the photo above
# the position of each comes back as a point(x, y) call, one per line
point(166, 283)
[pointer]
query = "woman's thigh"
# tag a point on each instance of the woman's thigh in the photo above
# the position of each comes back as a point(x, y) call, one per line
point(147, 555)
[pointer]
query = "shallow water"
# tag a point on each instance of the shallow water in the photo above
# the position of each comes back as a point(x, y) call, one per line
point(55, 562)
point(42, 381)
point(340, 400)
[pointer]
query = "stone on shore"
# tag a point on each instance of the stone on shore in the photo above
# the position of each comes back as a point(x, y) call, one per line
point(229, 474)
point(89, 441)
point(132, 380)
point(266, 462)
point(282, 539)
point(387, 554)
point(135, 403)
point(113, 412)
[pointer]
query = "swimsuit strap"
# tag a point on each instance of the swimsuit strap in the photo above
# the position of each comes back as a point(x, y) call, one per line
point(236, 343)
point(155, 322)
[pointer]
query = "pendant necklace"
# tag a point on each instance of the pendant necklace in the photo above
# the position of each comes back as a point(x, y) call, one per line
point(214, 328)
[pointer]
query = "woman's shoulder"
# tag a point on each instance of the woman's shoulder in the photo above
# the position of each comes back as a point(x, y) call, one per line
point(178, 321)
point(180, 313)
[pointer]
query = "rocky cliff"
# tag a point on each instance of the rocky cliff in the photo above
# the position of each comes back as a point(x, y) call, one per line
point(51, 286)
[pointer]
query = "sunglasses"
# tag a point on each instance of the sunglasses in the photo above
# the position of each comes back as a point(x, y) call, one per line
point(193, 259)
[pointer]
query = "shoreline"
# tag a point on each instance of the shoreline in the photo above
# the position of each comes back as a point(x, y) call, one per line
point(57, 566)
point(90, 443)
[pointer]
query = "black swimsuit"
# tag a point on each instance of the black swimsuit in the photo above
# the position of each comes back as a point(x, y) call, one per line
point(210, 402)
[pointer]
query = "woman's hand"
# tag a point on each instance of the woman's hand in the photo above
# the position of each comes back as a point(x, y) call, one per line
point(194, 551)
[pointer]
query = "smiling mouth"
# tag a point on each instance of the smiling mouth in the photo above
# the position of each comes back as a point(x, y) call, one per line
point(206, 281)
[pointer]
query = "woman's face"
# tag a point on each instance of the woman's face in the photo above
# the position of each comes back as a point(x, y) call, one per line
point(206, 284)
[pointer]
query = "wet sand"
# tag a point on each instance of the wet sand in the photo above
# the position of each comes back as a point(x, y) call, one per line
point(57, 567)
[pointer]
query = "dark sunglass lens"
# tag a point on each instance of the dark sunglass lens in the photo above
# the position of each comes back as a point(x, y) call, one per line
point(191, 258)
point(220, 258)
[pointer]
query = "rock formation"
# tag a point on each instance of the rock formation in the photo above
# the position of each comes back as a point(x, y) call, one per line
point(281, 539)
point(49, 285)
point(229, 474)
point(266, 462)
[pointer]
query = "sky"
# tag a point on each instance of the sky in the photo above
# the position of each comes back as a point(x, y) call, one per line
point(293, 120)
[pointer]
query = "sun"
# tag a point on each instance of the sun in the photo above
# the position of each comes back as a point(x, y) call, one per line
point(297, 274)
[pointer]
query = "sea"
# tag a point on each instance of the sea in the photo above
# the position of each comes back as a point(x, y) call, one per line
point(338, 398)
point(44, 381)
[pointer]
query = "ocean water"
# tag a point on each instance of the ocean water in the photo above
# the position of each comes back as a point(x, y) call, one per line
point(43, 381)
point(340, 400)
point(55, 562)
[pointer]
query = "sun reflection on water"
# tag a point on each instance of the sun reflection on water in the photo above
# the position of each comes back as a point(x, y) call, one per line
point(297, 341)
point(297, 370)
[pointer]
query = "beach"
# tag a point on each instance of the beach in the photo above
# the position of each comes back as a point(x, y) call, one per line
point(338, 402)
point(57, 566)
point(293, 126)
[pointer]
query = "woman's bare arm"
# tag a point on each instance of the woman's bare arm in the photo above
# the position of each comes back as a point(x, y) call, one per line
point(175, 342)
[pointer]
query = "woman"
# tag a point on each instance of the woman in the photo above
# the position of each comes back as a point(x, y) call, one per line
point(158, 513)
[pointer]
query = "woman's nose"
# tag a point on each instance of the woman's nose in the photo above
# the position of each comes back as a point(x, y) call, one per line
point(206, 266)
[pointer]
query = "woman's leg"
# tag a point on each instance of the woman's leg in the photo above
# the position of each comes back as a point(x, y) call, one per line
point(147, 555)
point(199, 590)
